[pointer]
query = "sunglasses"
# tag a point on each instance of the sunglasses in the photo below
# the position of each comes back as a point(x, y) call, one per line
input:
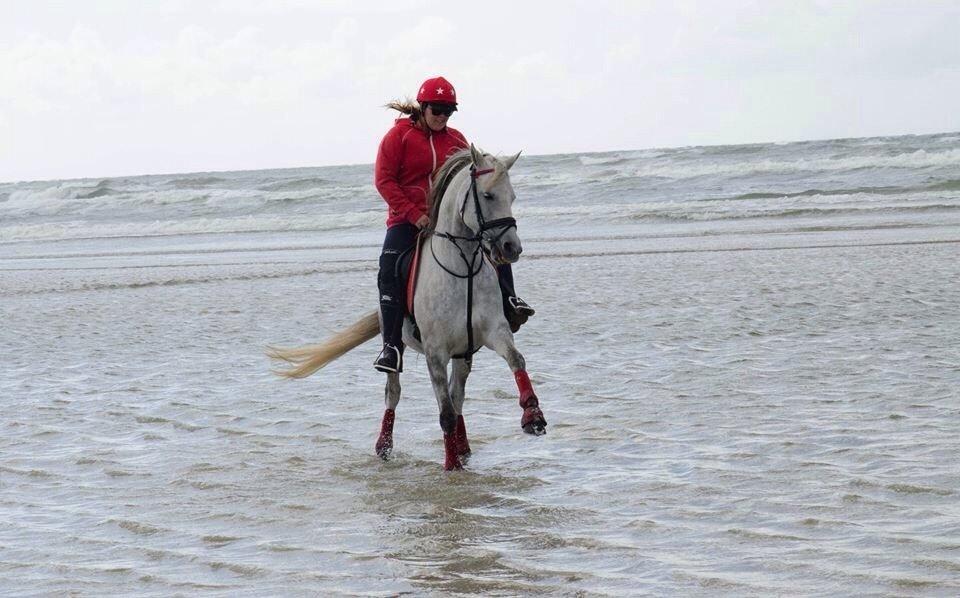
point(443, 109)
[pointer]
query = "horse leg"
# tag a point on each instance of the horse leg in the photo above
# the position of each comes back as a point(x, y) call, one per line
point(391, 398)
point(448, 417)
point(532, 421)
point(458, 382)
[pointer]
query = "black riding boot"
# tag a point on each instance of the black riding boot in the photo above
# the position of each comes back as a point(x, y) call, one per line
point(515, 309)
point(390, 358)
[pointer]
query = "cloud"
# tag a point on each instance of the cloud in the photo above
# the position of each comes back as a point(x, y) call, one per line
point(427, 35)
point(256, 83)
point(6, 145)
point(286, 7)
point(41, 75)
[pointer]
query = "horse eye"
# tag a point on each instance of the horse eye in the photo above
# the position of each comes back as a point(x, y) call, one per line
point(487, 195)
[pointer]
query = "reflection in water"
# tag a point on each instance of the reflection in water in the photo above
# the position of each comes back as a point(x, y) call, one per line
point(467, 532)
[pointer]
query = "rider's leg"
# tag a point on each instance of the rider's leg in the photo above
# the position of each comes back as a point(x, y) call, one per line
point(514, 308)
point(397, 240)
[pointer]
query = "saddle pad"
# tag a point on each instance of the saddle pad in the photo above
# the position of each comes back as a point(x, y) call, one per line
point(412, 272)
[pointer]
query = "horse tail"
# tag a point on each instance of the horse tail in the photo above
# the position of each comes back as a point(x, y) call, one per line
point(311, 358)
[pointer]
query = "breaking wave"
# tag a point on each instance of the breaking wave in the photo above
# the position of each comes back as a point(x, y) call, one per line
point(914, 174)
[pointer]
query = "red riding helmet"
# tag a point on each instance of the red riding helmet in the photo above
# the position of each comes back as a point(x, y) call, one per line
point(437, 90)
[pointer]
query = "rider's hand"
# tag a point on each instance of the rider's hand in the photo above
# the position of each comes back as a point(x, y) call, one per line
point(423, 221)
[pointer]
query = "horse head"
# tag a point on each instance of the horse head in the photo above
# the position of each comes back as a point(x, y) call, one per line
point(492, 215)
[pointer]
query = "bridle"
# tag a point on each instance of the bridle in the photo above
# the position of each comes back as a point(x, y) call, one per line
point(473, 265)
point(479, 235)
point(482, 233)
point(504, 223)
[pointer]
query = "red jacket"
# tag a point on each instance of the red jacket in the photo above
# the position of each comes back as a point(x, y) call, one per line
point(407, 158)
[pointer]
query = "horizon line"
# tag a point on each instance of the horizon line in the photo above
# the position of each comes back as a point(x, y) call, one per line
point(563, 153)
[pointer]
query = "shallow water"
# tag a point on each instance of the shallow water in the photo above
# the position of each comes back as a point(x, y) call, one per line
point(760, 421)
point(739, 407)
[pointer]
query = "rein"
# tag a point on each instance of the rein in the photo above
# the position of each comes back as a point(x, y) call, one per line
point(473, 267)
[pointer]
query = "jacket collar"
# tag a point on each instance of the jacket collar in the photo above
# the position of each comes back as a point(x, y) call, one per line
point(405, 121)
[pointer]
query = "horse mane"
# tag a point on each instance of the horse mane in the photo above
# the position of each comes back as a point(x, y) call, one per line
point(441, 180)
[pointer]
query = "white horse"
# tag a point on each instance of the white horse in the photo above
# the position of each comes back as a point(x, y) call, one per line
point(458, 305)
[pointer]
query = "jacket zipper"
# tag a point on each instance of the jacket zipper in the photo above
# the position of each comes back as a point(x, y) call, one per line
point(434, 152)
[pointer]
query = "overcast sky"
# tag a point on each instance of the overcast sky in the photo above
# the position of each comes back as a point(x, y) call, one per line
point(108, 88)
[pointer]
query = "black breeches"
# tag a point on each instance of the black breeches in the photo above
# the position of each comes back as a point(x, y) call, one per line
point(399, 238)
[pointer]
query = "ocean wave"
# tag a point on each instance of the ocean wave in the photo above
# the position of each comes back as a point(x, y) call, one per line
point(820, 192)
point(84, 229)
point(678, 183)
point(46, 201)
point(621, 157)
point(203, 276)
point(815, 212)
point(728, 150)
point(604, 160)
point(61, 191)
point(102, 188)
point(918, 159)
point(194, 182)
point(165, 202)
point(724, 210)
point(521, 179)
point(294, 184)
point(688, 166)
point(949, 185)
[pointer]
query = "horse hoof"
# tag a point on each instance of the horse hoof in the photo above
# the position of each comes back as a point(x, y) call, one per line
point(385, 448)
point(533, 421)
point(451, 453)
point(537, 428)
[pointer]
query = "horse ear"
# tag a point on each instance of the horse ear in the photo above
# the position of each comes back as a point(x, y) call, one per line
point(509, 161)
point(476, 155)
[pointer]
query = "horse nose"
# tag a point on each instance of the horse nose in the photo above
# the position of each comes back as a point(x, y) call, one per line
point(512, 250)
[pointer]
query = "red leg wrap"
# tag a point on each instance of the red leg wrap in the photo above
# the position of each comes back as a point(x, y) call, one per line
point(532, 416)
point(385, 441)
point(527, 396)
point(463, 445)
point(452, 458)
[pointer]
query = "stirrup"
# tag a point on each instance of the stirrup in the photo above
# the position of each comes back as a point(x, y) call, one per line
point(520, 306)
point(390, 361)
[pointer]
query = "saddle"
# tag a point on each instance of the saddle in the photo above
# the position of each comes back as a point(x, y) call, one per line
point(407, 270)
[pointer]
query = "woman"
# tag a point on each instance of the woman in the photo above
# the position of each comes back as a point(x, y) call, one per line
point(409, 154)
